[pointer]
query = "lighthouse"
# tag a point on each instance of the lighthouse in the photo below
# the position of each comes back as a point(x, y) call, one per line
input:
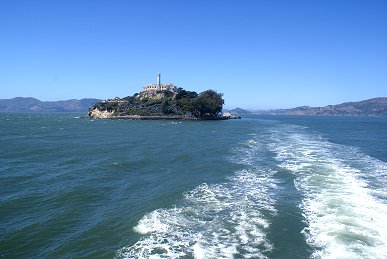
point(159, 80)
point(159, 87)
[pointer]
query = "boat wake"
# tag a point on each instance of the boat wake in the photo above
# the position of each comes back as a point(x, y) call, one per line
point(213, 221)
point(343, 203)
point(345, 216)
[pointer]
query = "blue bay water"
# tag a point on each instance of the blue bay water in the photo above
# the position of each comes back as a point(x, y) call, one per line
point(260, 187)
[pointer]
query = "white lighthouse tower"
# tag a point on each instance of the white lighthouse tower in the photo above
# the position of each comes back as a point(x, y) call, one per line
point(159, 86)
point(159, 81)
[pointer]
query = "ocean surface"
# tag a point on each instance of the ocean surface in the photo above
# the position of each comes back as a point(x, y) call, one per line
point(260, 187)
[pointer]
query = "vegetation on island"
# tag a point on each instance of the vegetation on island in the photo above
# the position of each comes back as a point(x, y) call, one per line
point(207, 104)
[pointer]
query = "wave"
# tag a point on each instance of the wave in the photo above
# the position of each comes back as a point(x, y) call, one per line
point(342, 190)
point(214, 221)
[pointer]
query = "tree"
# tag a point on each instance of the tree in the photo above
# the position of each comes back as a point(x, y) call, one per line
point(182, 94)
point(208, 103)
point(185, 99)
point(167, 107)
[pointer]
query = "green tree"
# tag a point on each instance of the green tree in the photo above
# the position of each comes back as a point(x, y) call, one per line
point(208, 103)
point(167, 107)
point(185, 99)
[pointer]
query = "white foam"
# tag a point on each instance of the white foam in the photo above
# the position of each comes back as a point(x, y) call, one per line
point(344, 218)
point(213, 221)
point(152, 222)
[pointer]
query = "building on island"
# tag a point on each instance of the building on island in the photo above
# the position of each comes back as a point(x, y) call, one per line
point(159, 86)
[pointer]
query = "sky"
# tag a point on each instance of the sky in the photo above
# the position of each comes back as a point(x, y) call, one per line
point(261, 54)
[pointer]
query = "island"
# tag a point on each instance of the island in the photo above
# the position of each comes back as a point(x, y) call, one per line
point(162, 101)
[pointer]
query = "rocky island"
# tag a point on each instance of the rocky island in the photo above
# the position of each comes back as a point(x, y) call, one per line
point(162, 101)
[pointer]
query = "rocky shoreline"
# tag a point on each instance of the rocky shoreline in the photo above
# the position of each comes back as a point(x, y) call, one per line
point(164, 117)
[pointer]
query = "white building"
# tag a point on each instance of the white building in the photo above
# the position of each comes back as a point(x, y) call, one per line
point(159, 86)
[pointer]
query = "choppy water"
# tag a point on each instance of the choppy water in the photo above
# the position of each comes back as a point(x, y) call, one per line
point(260, 187)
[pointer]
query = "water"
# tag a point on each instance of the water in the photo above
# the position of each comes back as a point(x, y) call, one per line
point(260, 187)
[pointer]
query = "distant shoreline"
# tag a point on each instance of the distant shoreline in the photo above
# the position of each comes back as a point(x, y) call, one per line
point(371, 107)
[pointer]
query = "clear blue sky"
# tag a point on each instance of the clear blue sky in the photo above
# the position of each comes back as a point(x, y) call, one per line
point(259, 53)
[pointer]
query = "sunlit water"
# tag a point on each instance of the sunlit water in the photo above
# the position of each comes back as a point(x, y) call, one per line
point(260, 187)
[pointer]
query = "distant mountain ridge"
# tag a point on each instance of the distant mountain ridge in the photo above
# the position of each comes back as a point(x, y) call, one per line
point(239, 111)
point(30, 104)
point(371, 107)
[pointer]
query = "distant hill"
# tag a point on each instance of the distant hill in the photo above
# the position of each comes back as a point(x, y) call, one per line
point(239, 111)
point(370, 107)
point(29, 104)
